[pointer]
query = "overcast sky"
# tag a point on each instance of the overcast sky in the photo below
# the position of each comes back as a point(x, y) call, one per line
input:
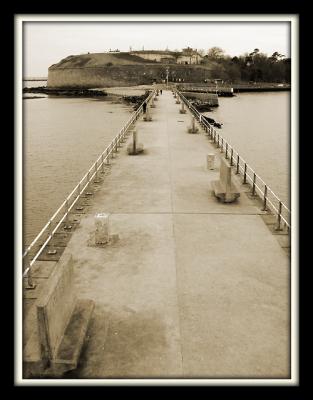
point(46, 43)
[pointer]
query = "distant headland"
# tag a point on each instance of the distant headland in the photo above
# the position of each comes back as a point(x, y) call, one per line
point(145, 67)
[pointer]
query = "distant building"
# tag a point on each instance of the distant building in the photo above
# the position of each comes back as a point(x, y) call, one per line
point(189, 56)
point(155, 55)
point(186, 56)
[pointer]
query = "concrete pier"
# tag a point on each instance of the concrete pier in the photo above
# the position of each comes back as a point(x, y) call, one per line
point(193, 288)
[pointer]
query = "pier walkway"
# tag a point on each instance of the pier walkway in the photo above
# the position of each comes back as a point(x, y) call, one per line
point(193, 288)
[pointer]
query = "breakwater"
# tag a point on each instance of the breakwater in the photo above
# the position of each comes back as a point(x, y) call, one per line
point(169, 299)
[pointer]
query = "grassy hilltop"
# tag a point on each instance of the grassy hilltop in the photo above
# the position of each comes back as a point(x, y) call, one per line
point(100, 60)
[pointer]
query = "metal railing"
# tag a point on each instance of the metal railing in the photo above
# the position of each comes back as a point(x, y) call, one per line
point(258, 187)
point(62, 213)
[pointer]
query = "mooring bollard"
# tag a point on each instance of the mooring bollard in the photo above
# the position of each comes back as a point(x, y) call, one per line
point(147, 116)
point(210, 161)
point(193, 128)
point(134, 148)
point(182, 110)
point(102, 235)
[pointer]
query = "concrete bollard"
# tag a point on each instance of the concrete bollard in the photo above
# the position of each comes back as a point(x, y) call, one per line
point(152, 103)
point(102, 235)
point(134, 148)
point(193, 128)
point(147, 116)
point(182, 110)
point(210, 161)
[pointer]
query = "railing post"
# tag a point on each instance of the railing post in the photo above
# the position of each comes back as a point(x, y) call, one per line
point(222, 145)
point(226, 152)
point(108, 157)
point(96, 170)
point(78, 189)
point(278, 227)
point(29, 283)
point(245, 174)
point(253, 184)
point(231, 157)
point(50, 230)
point(264, 199)
point(66, 212)
point(102, 163)
point(88, 180)
point(237, 166)
point(218, 140)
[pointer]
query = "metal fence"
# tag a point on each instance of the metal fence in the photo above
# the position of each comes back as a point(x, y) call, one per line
point(62, 213)
point(258, 187)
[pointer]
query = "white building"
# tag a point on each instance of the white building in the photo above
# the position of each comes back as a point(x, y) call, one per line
point(186, 56)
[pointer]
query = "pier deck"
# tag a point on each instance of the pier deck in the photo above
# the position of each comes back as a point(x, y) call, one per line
point(193, 288)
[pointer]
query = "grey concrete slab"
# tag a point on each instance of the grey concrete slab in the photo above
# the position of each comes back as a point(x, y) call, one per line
point(135, 331)
point(233, 291)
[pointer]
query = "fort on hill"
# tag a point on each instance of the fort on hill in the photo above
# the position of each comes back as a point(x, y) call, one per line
point(117, 68)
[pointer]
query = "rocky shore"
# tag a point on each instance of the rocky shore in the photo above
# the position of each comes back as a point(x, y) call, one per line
point(133, 100)
point(201, 106)
point(136, 101)
point(74, 92)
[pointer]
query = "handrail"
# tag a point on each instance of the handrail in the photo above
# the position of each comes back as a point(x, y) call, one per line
point(259, 187)
point(75, 194)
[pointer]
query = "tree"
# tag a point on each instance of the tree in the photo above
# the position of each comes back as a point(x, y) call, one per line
point(216, 53)
point(201, 52)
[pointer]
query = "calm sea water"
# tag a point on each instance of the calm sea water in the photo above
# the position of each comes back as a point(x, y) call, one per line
point(257, 125)
point(63, 136)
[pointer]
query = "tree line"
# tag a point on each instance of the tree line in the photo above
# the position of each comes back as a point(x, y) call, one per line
point(255, 66)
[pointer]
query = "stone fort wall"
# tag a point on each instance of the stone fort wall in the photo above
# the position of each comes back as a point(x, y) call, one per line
point(123, 75)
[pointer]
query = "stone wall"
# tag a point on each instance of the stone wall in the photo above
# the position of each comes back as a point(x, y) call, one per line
point(211, 98)
point(123, 75)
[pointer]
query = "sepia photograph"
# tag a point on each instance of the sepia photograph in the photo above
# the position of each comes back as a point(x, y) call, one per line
point(156, 179)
